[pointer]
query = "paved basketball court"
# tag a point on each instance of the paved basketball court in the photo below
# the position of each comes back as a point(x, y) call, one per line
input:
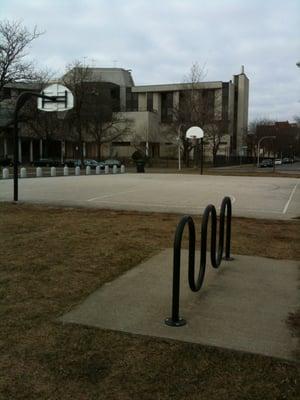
point(252, 196)
point(243, 305)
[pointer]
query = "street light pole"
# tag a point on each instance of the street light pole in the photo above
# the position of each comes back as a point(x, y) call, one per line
point(258, 146)
point(21, 100)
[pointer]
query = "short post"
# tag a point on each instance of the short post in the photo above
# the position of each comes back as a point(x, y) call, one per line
point(115, 169)
point(39, 172)
point(53, 171)
point(66, 170)
point(77, 171)
point(98, 170)
point(106, 169)
point(122, 169)
point(88, 170)
point(23, 173)
point(5, 173)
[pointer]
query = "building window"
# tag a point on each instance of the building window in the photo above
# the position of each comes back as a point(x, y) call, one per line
point(131, 100)
point(120, 144)
point(208, 101)
point(150, 101)
point(225, 100)
point(167, 107)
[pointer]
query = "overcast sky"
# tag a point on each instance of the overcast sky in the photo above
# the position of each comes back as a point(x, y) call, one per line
point(159, 40)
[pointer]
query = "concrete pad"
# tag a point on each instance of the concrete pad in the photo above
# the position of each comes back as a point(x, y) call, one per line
point(258, 197)
point(242, 306)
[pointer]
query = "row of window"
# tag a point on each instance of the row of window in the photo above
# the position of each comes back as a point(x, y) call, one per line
point(206, 100)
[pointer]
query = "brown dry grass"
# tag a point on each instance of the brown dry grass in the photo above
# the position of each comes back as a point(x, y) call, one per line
point(52, 258)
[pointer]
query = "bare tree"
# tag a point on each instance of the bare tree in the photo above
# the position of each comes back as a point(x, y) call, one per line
point(15, 39)
point(75, 79)
point(257, 129)
point(42, 125)
point(107, 130)
point(96, 112)
point(104, 122)
point(197, 108)
point(214, 134)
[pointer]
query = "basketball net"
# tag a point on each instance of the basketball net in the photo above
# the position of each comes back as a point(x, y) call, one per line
point(194, 140)
point(62, 114)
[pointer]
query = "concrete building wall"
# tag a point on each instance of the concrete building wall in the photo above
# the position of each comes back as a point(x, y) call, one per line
point(242, 110)
point(218, 104)
point(146, 126)
point(176, 100)
point(142, 102)
point(123, 98)
point(157, 104)
point(231, 107)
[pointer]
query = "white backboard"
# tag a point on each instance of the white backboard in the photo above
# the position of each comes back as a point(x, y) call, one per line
point(65, 100)
point(194, 132)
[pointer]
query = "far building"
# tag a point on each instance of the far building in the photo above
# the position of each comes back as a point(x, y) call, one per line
point(150, 110)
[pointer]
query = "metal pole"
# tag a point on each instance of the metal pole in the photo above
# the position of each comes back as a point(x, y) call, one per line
point(202, 156)
point(258, 145)
point(179, 155)
point(16, 152)
point(273, 155)
point(21, 100)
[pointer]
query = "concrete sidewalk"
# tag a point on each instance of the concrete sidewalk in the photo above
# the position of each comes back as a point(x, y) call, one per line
point(242, 306)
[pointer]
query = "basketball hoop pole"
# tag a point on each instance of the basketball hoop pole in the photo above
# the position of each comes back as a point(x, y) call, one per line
point(195, 133)
point(201, 167)
point(21, 100)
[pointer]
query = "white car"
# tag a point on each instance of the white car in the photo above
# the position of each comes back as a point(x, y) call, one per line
point(278, 161)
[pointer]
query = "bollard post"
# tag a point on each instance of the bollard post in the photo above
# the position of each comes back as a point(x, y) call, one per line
point(115, 169)
point(98, 170)
point(39, 172)
point(23, 173)
point(77, 171)
point(53, 171)
point(106, 170)
point(88, 170)
point(5, 173)
point(122, 169)
point(66, 170)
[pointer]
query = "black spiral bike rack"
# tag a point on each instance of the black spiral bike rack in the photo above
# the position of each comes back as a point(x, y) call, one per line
point(215, 256)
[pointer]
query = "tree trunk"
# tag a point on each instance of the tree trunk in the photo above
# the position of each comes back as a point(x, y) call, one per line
point(98, 150)
point(80, 147)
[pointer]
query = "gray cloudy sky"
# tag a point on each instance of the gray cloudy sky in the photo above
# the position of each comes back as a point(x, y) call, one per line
point(160, 40)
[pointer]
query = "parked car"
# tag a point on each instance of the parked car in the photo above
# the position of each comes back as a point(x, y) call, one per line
point(112, 162)
point(46, 162)
point(93, 163)
point(287, 160)
point(278, 161)
point(6, 162)
point(72, 163)
point(266, 163)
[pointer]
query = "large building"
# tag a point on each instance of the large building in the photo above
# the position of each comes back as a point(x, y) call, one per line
point(151, 110)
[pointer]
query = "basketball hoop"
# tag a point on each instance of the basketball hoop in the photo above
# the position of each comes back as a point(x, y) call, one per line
point(194, 132)
point(64, 99)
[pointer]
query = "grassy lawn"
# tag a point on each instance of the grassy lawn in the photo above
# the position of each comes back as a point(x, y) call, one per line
point(52, 258)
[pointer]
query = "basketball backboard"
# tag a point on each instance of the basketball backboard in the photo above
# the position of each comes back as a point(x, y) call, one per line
point(64, 98)
point(194, 132)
